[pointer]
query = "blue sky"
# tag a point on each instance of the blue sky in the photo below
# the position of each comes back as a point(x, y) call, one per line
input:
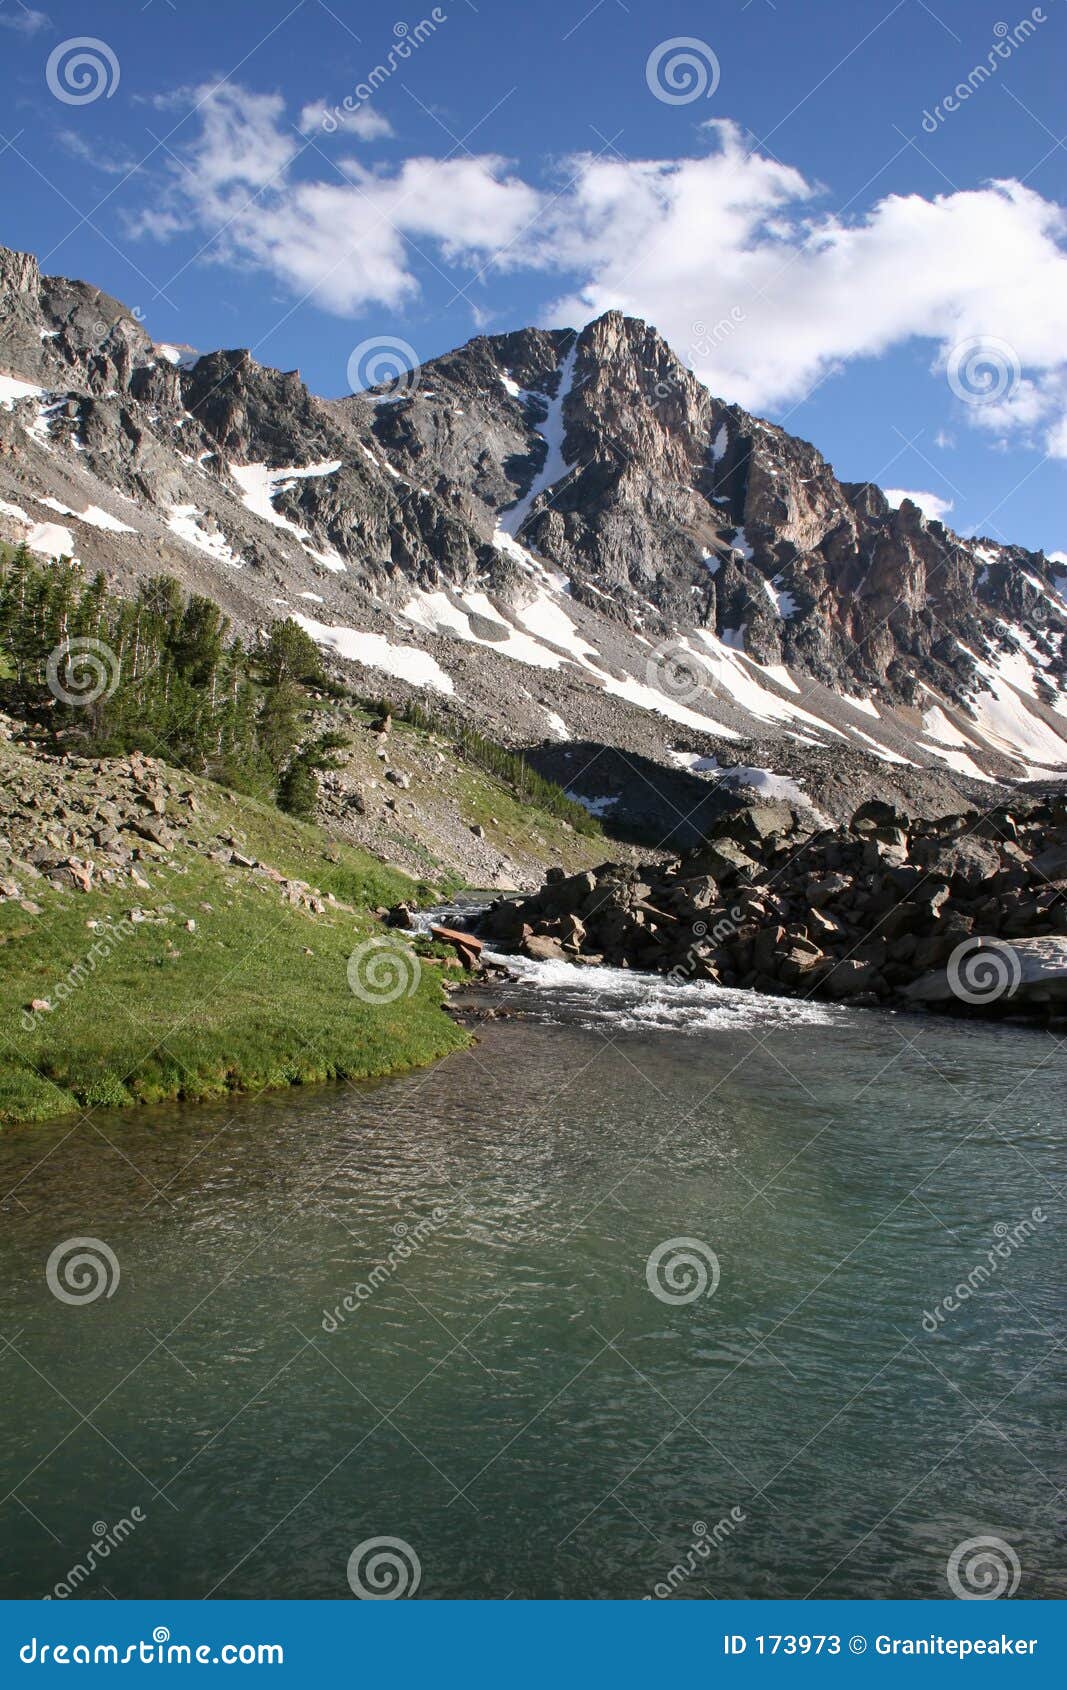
point(805, 216)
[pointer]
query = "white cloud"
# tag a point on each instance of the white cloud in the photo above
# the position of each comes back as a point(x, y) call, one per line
point(113, 162)
point(365, 122)
point(687, 242)
point(726, 253)
point(929, 503)
point(345, 242)
point(25, 21)
point(1056, 557)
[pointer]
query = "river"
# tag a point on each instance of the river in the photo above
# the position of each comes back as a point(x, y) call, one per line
point(535, 1387)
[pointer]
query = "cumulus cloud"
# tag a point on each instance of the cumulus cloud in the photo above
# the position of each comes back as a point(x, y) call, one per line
point(763, 293)
point(690, 243)
point(346, 242)
point(930, 504)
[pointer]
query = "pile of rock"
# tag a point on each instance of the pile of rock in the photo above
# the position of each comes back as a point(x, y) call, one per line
point(968, 911)
point(81, 824)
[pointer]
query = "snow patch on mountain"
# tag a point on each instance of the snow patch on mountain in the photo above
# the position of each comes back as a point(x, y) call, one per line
point(1005, 720)
point(863, 704)
point(785, 604)
point(183, 520)
point(46, 539)
point(260, 485)
point(556, 723)
point(547, 620)
point(12, 390)
point(598, 807)
point(93, 515)
point(374, 651)
point(555, 466)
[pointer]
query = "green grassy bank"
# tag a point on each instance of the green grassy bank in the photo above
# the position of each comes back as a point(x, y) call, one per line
point(255, 994)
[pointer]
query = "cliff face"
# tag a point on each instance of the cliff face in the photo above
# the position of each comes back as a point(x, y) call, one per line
point(564, 534)
point(674, 500)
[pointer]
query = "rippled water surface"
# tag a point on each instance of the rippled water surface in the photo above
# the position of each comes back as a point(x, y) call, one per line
point(509, 1397)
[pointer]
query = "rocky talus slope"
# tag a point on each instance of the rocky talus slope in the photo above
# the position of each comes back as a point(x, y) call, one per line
point(402, 795)
point(88, 824)
point(968, 912)
point(561, 537)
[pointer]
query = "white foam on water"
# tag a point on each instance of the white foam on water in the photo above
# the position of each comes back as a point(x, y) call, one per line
point(629, 1000)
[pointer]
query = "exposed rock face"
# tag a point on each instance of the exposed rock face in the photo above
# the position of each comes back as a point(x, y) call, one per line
point(956, 912)
point(533, 525)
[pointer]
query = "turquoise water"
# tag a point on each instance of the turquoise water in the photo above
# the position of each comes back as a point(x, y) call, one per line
point(511, 1399)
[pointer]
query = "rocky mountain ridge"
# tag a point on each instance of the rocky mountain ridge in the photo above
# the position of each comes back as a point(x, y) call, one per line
point(562, 536)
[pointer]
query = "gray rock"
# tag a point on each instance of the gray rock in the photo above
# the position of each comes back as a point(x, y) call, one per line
point(998, 975)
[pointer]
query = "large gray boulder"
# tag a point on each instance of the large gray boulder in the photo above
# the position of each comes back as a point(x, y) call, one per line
point(988, 973)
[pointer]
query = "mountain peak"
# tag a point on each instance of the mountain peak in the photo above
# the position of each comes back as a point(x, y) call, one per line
point(528, 525)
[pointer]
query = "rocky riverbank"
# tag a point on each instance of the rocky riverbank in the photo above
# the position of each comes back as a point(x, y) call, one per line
point(966, 912)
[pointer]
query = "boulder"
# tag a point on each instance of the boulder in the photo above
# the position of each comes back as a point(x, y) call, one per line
point(876, 817)
point(826, 889)
point(965, 862)
point(1052, 864)
point(541, 947)
point(996, 975)
point(756, 822)
point(722, 861)
point(850, 977)
point(465, 945)
point(572, 893)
